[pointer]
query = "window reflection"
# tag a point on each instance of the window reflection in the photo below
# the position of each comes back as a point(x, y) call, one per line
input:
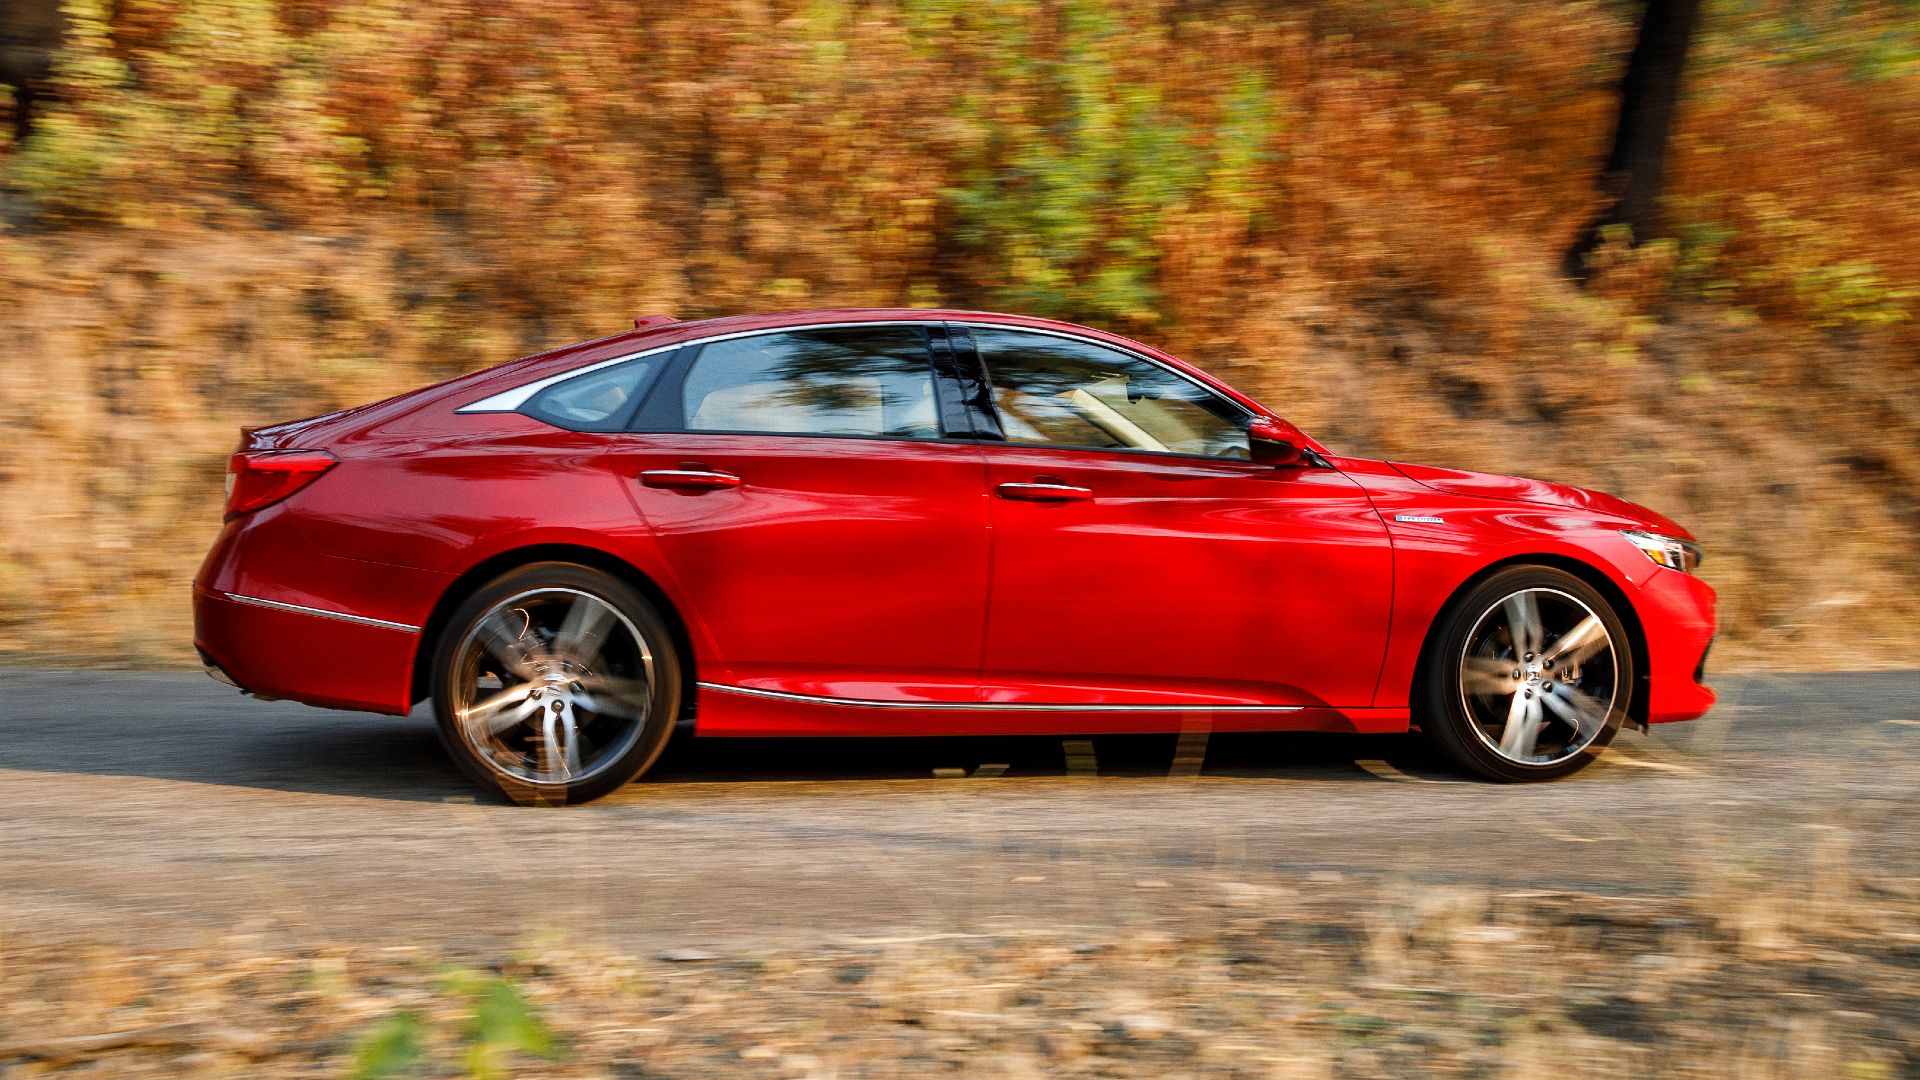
point(873, 381)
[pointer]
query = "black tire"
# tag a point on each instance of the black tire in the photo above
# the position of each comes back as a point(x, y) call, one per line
point(638, 654)
point(1470, 639)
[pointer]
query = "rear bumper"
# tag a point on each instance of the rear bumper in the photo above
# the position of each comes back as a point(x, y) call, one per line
point(218, 673)
point(281, 619)
point(280, 653)
point(1677, 612)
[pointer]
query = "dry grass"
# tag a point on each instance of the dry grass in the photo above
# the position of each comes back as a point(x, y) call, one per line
point(1760, 972)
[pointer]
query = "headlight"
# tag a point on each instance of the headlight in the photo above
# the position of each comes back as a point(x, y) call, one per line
point(1669, 551)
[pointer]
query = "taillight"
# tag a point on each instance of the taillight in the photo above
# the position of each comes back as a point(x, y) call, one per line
point(258, 478)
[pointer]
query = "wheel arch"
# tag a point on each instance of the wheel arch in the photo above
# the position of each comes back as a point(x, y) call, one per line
point(495, 565)
point(1585, 571)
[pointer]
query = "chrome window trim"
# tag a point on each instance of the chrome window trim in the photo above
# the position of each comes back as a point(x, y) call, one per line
point(301, 609)
point(989, 706)
point(512, 400)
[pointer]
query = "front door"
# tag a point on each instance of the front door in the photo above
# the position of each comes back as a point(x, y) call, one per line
point(1140, 557)
point(824, 530)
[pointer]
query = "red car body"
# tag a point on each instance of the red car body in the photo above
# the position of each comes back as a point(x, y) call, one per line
point(854, 586)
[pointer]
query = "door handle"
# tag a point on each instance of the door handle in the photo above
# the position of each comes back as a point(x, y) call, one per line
point(689, 479)
point(1039, 492)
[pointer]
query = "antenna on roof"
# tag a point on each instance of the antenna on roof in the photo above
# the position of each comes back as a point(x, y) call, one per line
point(645, 321)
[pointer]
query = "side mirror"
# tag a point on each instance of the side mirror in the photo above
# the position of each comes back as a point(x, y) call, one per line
point(1275, 442)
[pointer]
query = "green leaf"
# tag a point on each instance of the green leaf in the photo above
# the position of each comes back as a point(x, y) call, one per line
point(502, 1022)
point(390, 1047)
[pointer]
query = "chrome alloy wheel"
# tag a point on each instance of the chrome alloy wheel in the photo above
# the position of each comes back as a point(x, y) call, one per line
point(1539, 677)
point(552, 686)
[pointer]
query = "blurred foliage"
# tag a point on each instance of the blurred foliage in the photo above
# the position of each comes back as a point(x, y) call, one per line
point(1068, 165)
point(390, 1047)
point(1038, 154)
point(498, 1023)
point(1795, 186)
point(236, 211)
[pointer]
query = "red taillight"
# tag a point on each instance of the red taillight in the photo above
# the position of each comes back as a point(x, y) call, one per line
point(260, 478)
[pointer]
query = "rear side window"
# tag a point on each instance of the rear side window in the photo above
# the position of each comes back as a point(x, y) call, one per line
point(599, 400)
point(875, 381)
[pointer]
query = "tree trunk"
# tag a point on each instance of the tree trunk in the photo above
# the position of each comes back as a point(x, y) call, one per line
point(1648, 93)
point(30, 32)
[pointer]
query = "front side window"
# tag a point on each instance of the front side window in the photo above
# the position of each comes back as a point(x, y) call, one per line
point(874, 381)
point(1071, 392)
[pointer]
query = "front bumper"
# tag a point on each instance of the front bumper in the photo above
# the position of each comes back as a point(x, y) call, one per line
point(1677, 612)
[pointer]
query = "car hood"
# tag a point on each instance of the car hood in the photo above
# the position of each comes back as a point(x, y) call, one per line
point(1522, 489)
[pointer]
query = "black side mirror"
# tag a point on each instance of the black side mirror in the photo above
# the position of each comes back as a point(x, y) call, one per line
point(1275, 442)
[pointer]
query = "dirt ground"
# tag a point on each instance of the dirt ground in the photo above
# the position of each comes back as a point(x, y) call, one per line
point(197, 884)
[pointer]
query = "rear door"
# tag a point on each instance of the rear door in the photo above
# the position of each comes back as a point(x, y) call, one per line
point(826, 530)
point(1141, 558)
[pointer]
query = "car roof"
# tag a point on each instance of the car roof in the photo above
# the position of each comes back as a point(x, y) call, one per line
point(666, 333)
point(669, 333)
point(658, 335)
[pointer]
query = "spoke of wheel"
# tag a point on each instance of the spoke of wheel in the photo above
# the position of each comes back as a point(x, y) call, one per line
point(553, 761)
point(611, 695)
point(570, 728)
point(499, 712)
point(1579, 644)
point(1487, 676)
point(1579, 708)
point(586, 624)
point(1516, 718)
point(1523, 728)
point(1536, 716)
point(502, 642)
point(1523, 622)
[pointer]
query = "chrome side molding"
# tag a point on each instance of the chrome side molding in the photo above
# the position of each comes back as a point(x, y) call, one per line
point(989, 706)
point(322, 613)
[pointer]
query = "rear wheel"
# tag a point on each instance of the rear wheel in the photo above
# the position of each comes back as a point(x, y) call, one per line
point(1530, 678)
point(555, 684)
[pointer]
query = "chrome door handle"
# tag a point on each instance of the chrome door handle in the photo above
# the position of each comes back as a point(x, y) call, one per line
point(1044, 492)
point(689, 479)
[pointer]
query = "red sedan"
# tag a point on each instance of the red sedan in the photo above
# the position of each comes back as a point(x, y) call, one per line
point(911, 522)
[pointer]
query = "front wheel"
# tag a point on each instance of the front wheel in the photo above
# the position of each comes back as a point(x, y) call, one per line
point(555, 684)
point(1530, 677)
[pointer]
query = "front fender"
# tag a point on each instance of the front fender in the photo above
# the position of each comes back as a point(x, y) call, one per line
point(1441, 541)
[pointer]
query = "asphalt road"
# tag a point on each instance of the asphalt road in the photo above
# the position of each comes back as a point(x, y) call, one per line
point(164, 808)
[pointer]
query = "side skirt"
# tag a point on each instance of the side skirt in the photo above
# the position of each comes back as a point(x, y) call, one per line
point(731, 711)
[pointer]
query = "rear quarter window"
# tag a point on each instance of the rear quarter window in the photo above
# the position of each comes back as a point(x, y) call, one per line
point(601, 400)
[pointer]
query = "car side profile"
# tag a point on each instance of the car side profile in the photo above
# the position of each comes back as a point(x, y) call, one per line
point(915, 522)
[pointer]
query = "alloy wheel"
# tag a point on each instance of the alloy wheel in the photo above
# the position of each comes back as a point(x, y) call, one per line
point(552, 686)
point(1539, 677)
